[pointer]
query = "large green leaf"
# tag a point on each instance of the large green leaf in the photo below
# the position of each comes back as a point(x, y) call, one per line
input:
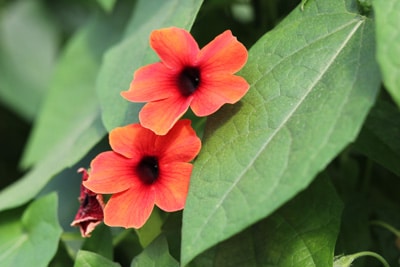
point(31, 240)
point(90, 259)
point(387, 16)
point(123, 59)
point(64, 154)
point(72, 99)
point(156, 254)
point(301, 233)
point(313, 80)
point(379, 138)
point(28, 47)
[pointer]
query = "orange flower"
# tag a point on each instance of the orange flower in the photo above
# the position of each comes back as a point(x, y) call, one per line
point(143, 170)
point(90, 212)
point(187, 76)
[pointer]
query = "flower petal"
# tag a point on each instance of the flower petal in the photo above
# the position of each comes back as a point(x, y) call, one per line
point(150, 83)
point(179, 144)
point(217, 90)
point(111, 173)
point(161, 115)
point(86, 227)
point(224, 53)
point(89, 215)
point(130, 208)
point(132, 141)
point(173, 185)
point(175, 46)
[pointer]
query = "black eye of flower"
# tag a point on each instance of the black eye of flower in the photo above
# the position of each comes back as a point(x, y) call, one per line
point(189, 80)
point(148, 170)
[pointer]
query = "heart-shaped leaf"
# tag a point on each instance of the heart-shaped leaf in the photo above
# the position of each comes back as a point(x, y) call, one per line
point(32, 240)
point(301, 233)
point(156, 254)
point(296, 117)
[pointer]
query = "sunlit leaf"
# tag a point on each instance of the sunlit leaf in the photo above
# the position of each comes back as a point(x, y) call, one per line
point(107, 5)
point(387, 19)
point(301, 233)
point(134, 51)
point(156, 254)
point(72, 97)
point(28, 48)
point(69, 124)
point(32, 239)
point(313, 80)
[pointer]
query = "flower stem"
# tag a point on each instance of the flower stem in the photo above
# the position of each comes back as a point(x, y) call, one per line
point(372, 254)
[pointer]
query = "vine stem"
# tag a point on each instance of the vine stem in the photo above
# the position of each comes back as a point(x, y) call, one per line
point(372, 254)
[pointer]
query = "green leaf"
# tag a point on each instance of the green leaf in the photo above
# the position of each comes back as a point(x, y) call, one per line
point(387, 16)
point(151, 229)
point(301, 233)
point(72, 99)
point(379, 138)
point(172, 230)
point(33, 239)
point(355, 229)
point(90, 259)
point(107, 5)
point(28, 47)
point(126, 246)
point(64, 154)
point(313, 80)
point(61, 258)
point(100, 242)
point(134, 51)
point(156, 254)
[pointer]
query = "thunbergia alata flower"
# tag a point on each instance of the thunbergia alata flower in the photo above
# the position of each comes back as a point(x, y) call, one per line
point(187, 76)
point(143, 170)
point(90, 212)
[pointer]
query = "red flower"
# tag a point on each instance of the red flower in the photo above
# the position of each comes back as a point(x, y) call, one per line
point(90, 212)
point(142, 170)
point(187, 76)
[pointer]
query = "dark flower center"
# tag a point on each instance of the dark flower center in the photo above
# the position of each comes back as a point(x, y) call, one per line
point(188, 80)
point(147, 169)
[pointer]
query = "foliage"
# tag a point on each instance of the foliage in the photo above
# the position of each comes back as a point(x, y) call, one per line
point(303, 171)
